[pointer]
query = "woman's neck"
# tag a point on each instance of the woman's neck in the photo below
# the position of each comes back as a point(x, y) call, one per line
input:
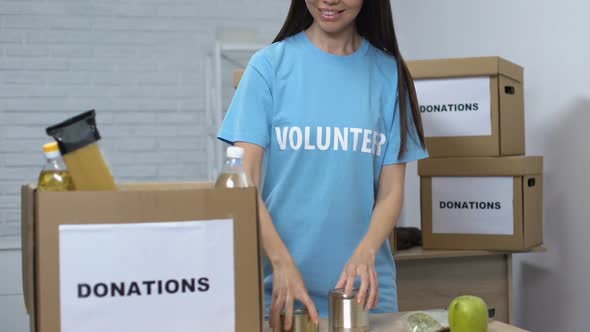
point(344, 42)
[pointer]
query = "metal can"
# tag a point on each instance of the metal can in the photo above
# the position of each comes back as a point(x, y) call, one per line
point(346, 314)
point(301, 322)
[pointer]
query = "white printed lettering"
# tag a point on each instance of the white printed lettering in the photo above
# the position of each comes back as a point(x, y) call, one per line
point(341, 138)
point(377, 144)
point(324, 146)
point(355, 141)
point(297, 138)
point(366, 141)
point(292, 132)
point(282, 137)
point(308, 146)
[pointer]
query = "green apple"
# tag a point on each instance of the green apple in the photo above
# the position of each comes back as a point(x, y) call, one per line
point(468, 313)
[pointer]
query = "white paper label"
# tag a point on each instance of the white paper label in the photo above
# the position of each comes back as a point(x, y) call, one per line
point(472, 205)
point(148, 277)
point(455, 107)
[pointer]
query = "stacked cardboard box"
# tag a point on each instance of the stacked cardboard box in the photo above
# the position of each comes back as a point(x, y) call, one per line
point(478, 189)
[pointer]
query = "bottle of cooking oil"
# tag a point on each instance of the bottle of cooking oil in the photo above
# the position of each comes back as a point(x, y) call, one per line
point(233, 174)
point(54, 176)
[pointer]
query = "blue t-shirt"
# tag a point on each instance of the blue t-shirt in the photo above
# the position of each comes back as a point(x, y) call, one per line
point(328, 124)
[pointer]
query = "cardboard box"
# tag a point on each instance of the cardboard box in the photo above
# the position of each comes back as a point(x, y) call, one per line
point(45, 215)
point(471, 107)
point(237, 77)
point(482, 203)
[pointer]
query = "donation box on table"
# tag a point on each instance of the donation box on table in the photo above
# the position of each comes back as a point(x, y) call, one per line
point(149, 257)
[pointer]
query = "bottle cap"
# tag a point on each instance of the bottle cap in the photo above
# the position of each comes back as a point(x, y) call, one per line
point(235, 152)
point(51, 150)
point(50, 147)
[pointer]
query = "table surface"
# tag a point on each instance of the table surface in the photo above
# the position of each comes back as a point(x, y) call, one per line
point(384, 323)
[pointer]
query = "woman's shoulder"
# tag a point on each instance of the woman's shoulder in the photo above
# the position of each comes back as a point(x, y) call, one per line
point(385, 64)
point(267, 59)
point(384, 61)
point(273, 53)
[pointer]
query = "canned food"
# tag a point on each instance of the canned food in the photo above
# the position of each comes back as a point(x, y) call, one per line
point(301, 322)
point(346, 314)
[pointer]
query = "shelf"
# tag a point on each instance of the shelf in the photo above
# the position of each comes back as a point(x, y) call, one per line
point(418, 253)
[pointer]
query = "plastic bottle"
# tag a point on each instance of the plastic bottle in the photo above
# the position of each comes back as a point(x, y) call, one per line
point(233, 174)
point(54, 176)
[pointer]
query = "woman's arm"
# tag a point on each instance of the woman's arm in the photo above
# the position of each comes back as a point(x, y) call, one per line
point(288, 284)
point(386, 212)
point(273, 246)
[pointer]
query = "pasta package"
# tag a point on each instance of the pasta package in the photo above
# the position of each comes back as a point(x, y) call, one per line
point(78, 140)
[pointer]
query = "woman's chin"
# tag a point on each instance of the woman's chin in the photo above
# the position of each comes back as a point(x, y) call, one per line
point(332, 28)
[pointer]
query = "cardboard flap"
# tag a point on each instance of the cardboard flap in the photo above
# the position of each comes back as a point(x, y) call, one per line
point(511, 116)
point(532, 195)
point(485, 166)
point(141, 186)
point(510, 70)
point(465, 67)
point(27, 245)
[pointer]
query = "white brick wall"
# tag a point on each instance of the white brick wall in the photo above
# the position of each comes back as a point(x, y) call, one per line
point(13, 317)
point(139, 63)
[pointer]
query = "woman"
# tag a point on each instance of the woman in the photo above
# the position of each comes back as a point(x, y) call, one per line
point(328, 117)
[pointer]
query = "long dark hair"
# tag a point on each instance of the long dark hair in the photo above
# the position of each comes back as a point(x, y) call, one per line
point(374, 23)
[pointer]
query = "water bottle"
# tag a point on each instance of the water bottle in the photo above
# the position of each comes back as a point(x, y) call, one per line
point(233, 174)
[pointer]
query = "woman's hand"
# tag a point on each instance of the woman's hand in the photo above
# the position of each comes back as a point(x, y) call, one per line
point(287, 282)
point(361, 265)
point(288, 286)
point(385, 213)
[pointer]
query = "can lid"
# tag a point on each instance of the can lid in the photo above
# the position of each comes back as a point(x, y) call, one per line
point(341, 294)
point(300, 311)
point(235, 152)
point(297, 312)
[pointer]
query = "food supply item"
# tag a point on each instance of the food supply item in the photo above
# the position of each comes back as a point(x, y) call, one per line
point(422, 322)
point(233, 174)
point(301, 322)
point(346, 314)
point(54, 176)
point(468, 313)
point(78, 140)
